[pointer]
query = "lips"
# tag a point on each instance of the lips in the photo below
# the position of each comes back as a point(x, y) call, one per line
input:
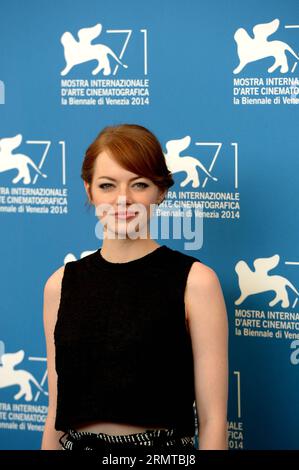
point(124, 215)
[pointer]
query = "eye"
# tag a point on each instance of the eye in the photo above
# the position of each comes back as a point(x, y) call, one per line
point(143, 185)
point(108, 185)
point(104, 185)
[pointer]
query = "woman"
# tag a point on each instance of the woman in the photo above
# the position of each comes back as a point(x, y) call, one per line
point(136, 332)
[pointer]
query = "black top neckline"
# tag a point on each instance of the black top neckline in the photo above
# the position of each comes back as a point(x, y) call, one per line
point(128, 264)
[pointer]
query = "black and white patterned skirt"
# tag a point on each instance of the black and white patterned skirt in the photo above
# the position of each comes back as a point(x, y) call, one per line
point(153, 439)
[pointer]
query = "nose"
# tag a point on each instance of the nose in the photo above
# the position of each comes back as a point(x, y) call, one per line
point(124, 195)
point(123, 200)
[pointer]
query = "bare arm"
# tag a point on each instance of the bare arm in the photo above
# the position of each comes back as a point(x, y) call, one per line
point(207, 318)
point(52, 290)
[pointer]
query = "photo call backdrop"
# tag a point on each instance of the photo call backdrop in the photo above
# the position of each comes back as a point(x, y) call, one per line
point(217, 82)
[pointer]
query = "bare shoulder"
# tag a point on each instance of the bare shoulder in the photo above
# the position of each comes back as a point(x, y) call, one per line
point(203, 291)
point(53, 283)
point(52, 293)
point(202, 276)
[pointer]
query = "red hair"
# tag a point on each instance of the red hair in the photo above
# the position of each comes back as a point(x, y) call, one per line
point(135, 149)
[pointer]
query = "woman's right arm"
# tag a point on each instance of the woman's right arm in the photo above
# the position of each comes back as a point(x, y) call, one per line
point(52, 292)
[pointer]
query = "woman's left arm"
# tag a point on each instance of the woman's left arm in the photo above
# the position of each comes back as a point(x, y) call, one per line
point(208, 325)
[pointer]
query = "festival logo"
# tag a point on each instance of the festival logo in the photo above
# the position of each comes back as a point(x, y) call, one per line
point(21, 392)
point(17, 161)
point(259, 280)
point(78, 52)
point(188, 164)
point(257, 48)
point(108, 49)
point(261, 320)
point(19, 169)
point(201, 183)
point(281, 86)
point(10, 376)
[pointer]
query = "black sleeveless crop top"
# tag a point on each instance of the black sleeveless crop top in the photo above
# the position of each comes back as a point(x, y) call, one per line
point(123, 352)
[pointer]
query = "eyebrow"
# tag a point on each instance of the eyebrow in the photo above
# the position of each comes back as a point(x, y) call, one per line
point(112, 179)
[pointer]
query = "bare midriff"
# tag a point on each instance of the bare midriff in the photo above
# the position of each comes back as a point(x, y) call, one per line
point(113, 428)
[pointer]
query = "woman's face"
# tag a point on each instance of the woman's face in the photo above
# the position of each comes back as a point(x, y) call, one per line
point(123, 200)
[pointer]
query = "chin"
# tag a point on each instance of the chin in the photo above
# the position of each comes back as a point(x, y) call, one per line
point(126, 232)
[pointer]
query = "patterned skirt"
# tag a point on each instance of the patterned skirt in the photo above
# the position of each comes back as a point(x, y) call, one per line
point(153, 439)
